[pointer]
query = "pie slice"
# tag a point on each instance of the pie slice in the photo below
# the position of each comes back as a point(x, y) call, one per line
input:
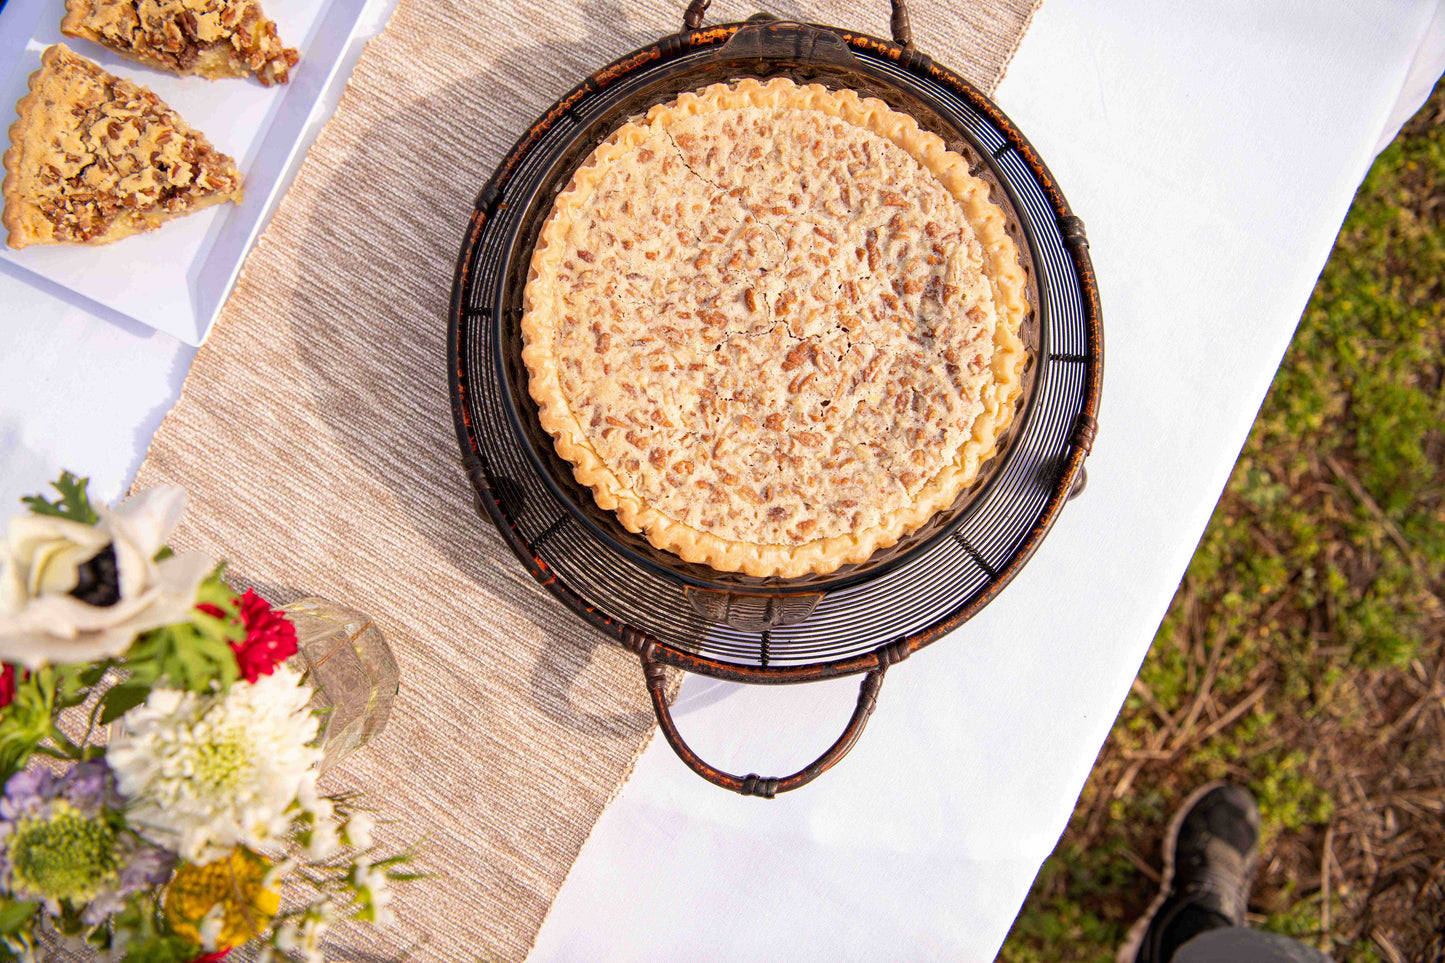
point(210, 38)
point(94, 158)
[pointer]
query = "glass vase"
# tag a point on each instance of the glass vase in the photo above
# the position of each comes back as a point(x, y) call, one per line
point(351, 669)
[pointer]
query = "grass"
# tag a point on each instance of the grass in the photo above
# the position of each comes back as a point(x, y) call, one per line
point(1304, 652)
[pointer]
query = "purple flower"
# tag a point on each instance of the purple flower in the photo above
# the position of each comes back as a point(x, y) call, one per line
point(90, 787)
point(148, 866)
point(64, 840)
point(26, 793)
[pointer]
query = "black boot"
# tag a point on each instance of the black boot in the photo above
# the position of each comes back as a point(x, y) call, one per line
point(1210, 855)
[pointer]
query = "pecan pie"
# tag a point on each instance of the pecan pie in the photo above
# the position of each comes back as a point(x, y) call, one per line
point(774, 327)
point(211, 38)
point(94, 158)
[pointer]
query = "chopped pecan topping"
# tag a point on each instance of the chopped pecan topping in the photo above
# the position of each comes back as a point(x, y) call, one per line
point(103, 158)
point(213, 38)
point(796, 357)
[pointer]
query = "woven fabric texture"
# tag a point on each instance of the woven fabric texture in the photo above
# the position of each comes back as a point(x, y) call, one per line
point(314, 434)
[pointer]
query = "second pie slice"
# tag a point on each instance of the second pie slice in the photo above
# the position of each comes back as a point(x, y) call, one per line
point(209, 38)
point(94, 158)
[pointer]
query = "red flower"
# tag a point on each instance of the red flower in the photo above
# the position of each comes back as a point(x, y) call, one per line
point(270, 638)
point(212, 957)
point(7, 685)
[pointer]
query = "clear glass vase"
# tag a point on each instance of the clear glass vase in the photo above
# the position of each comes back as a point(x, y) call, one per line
point(349, 665)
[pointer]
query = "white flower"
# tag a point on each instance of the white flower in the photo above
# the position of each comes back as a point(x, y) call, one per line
point(324, 841)
point(306, 795)
point(374, 891)
point(211, 925)
point(288, 935)
point(40, 560)
point(278, 872)
point(357, 831)
point(313, 931)
point(305, 932)
point(320, 807)
point(206, 774)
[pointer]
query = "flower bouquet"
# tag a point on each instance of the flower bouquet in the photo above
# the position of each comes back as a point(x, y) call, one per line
point(171, 842)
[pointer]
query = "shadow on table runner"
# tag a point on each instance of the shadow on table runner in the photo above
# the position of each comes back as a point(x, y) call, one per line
point(314, 435)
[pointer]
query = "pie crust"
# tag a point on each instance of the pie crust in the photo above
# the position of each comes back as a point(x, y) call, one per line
point(94, 158)
point(209, 38)
point(774, 327)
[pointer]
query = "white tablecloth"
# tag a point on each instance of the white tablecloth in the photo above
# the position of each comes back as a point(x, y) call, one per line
point(1212, 150)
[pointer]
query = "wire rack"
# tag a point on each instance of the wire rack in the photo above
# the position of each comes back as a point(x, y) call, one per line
point(733, 626)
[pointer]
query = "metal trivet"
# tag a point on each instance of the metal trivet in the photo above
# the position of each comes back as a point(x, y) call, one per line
point(864, 617)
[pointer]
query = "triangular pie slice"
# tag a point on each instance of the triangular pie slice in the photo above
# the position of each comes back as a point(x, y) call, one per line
point(94, 158)
point(211, 38)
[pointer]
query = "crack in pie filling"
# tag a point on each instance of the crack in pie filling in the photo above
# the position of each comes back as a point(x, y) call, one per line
point(774, 327)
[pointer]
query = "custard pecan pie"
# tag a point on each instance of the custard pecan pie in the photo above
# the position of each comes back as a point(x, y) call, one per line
point(94, 158)
point(211, 38)
point(774, 327)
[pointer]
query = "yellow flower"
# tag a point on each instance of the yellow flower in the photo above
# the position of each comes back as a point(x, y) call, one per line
point(235, 884)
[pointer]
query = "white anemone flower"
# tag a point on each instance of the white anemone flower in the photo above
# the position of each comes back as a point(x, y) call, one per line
point(40, 561)
point(205, 774)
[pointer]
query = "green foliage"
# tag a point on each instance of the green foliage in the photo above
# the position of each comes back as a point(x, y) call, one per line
point(161, 948)
point(74, 502)
point(28, 723)
point(120, 700)
point(1288, 798)
point(194, 655)
point(151, 939)
point(14, 914)
point(1074, 926)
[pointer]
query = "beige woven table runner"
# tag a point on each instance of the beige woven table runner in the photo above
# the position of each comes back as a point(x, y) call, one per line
point(314, 433)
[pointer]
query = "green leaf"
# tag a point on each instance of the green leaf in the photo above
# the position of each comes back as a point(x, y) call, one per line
point(74, 502)
point(184, 656)
point(122, 699)
point(167, 948)
point(71, 688)
point(214, 591)
point(14, 915)
point(27, 721)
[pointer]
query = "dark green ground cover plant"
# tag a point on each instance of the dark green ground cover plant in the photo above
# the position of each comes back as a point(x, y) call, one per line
point(1304, 652)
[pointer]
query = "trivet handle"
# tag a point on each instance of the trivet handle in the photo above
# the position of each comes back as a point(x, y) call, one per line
point(753, 784)
point(898, 19)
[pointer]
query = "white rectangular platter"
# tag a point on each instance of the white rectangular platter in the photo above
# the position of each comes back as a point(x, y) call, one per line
point(175, 279)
